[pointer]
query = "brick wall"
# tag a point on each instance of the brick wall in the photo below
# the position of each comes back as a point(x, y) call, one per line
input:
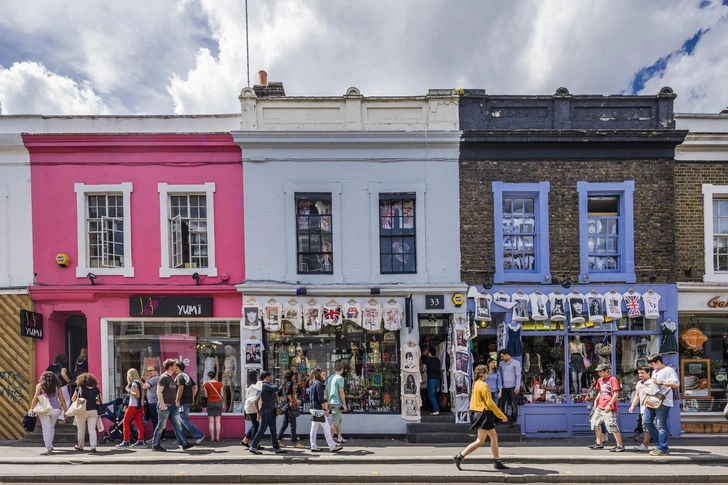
point(689, 219)
point(653, 211)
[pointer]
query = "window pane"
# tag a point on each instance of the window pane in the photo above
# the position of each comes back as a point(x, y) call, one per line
point(723, 208)
point(386, 263)
point(528, 206)
point(518, 206)
point(507, 225)
point(507, 206)
point(314, 228)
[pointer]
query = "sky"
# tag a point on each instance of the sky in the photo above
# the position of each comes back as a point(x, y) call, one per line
point(81, 57)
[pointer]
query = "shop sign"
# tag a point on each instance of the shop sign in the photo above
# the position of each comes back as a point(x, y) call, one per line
point(170, 306)
point(435, 302)
point(716, 302)
point(458, 299)
point(31, 324)
point(693, 339)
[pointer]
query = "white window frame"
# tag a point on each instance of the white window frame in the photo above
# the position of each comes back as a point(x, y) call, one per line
point(165, 190)
point(710, 191)
point(82, 193)
point(291, 189)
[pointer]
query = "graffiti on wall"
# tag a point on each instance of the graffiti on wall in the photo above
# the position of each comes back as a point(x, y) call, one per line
point(12, 386)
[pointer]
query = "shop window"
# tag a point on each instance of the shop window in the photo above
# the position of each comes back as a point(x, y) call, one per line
point(203, 346)
point(372, 382)
point(607, 232)
point(188, 229)
point(715, 209)
point(543, 369)
point(521, 232)
point(397, 234)
point(631, 353)
point(314, 233)
point(104, 235)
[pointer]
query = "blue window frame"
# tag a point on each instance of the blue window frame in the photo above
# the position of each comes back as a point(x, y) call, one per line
point(606, 232)
point(521, 232)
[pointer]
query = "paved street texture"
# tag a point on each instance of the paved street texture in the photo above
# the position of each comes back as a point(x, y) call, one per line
point(702, 460)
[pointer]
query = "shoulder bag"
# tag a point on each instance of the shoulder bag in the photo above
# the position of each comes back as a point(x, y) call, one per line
point(77, 407)
point(43, 406)
point(654, 402)
point(318, 416)
point(294, 410)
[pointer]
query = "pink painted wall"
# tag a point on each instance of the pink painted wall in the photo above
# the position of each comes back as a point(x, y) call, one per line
point(60, 161)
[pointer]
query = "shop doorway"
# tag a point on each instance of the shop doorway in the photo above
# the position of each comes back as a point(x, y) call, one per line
point(76, 339)
point(433, 334)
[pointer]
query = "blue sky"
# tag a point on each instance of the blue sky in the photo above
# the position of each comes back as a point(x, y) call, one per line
point(188, 56)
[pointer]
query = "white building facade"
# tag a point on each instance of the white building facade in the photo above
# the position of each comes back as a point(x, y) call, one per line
point(351, 215)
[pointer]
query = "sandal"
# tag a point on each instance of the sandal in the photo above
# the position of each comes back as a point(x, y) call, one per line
point(256, 452)
point(337, 449)
point(77, 448)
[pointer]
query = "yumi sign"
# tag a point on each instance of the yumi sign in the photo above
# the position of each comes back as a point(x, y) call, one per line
point(170, 306)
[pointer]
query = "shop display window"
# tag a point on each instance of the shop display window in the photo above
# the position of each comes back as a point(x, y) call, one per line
point(703, 369)
point(543, 369)
point(202, 346)
point(372, 382)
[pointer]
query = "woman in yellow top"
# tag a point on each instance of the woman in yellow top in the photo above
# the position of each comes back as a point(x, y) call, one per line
point(485, 412)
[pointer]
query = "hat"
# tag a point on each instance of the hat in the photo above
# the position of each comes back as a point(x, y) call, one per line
point(604, 367)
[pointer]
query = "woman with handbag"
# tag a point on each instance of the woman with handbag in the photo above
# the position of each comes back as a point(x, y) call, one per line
point(485, 413)
point(87, 388)
point(60, 368)
point(268, 415)
point(290, 408)
point(48, 394)
point(252, 413)
point(320, 411)
point(213, 390)
point(134, 409)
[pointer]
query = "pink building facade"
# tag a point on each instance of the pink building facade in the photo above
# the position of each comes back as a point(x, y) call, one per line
point(137, 247)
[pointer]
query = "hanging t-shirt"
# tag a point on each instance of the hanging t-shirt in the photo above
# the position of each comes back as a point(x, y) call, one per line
point(558, 306)
point(410, 358)
point(502, 299)
point(352, 312)
point(632, 301)
point(538, 306)
point(252, 315)
point(312, 316)
point(520, 309)
point(501, 337)
point(482, 306)
point(411, 384)
point(411, 407)
point(594, 307)
point(393, 314)
point(272, 313)
point(576, 307)
point(293, 313)
point(652, 308)
point(332, 314)
point(372, 316)
point(614, 305)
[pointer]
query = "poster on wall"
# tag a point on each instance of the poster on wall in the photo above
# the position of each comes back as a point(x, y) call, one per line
point(253, 353)
point(695, 379)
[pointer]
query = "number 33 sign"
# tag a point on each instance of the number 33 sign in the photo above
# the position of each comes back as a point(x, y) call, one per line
point(434, 302)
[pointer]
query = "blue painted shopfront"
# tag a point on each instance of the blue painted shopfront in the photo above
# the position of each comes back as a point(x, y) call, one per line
point(571, 417)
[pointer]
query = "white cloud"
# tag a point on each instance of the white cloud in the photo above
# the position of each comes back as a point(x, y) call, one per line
point(29, 88)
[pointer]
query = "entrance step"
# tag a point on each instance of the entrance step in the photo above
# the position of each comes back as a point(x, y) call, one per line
point(65, 433)
point(443, 429)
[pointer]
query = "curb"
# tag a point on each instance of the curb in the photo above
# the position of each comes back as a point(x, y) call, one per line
point(370, 478)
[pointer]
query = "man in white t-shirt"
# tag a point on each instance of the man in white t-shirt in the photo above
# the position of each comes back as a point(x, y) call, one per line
point(656, 420)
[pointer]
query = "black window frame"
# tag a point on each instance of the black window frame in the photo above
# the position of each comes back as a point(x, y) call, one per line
point(389, 235)
point(309, 225)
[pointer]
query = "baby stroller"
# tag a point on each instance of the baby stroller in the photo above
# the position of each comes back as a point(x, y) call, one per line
point(115, 414)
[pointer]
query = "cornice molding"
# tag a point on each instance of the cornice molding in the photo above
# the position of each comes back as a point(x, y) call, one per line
point(68, 143)
point(89, 293)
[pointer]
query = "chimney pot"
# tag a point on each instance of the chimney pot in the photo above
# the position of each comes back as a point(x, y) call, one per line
point(262, 78)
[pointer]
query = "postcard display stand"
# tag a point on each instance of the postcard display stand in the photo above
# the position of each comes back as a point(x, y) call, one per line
point(461, 332)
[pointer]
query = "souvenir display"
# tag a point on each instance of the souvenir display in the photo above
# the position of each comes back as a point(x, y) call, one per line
point(594, 306)
point(332, 314)
point(272, 313)
point(520, 307)
point(393, 314)
point(614, 304)
point(252, 314)
point(558, 306)
point(632, 301)
point(312, 317)
point(410, 357)
point(538, 305)
point(372, 316)
point(482, 306)
point(352, 312)
point(293, 314)
point(652, 307)
point(576, 307)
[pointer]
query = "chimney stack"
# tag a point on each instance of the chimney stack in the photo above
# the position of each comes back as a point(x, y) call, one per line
point(264, 89)
point(262, 78)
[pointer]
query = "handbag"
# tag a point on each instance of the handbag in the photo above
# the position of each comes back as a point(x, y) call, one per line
point(101, 409)
point(279, 411)
point(43, 406)
point(318, 416)
point(587, 362)
point(29, 421)
point(654, 402)
point(294, 411)
point(77, 407)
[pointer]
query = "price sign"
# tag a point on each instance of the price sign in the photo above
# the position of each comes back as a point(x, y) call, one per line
point(435, 302)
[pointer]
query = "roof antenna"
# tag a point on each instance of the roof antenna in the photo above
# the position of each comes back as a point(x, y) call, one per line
point(247, 44)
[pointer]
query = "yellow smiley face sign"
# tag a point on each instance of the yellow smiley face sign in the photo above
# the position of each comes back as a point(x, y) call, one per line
point(458, 299)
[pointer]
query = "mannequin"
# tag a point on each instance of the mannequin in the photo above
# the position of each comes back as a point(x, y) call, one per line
point(210, 364)
point(576, 363)
point(151, 360)
point(229, 375)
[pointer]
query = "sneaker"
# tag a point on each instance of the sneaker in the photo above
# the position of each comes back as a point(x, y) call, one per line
point(46, 452)
point(641, 447)
point(188, 446)
point(341, 440)
point(657, 452)
point(498, 465)
point(124, 444)
point(139, 443)
point(617, 449)
point(199, 440)
point(596, 446)
point(458, 459)
point(150, 442)
point(158, 448)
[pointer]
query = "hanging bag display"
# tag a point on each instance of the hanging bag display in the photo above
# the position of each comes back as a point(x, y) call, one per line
point(77, 407)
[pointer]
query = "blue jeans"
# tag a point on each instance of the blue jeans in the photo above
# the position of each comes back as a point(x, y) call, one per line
point(432, 386)
point(267, 421)
point(194, 430)
point(171, 413)
point(287, 419)
point(656, 423)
